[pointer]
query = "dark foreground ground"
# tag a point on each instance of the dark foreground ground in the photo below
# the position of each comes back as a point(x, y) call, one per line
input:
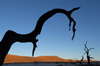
point(53, 64)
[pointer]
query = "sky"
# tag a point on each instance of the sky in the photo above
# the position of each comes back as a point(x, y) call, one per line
point(55, 38)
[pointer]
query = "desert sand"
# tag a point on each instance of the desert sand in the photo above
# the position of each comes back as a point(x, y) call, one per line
point(17, 59)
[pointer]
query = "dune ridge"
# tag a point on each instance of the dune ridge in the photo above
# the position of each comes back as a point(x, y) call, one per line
point(18, 59)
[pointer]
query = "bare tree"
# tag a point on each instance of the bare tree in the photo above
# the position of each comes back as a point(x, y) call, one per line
point(80, 61)
point(87, 52)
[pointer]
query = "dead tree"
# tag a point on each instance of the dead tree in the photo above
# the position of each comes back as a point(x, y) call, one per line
point(87, 52)
point(80, 61)
point(11, 37)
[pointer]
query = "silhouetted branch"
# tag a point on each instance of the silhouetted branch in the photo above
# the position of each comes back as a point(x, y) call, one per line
point(74, 9)
point(82, 58)
point(80, 61)
point(77, 60)
point(91, 48)
point(85, 49)
point(92, 57)
point(11, 37)
point(85, 46)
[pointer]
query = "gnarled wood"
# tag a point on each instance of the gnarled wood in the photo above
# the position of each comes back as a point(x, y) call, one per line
point(10, 36)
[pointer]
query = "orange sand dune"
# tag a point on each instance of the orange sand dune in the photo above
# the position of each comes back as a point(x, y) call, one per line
point(15, 59)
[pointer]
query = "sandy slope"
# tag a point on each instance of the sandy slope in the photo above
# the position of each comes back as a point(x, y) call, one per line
point(14, 59)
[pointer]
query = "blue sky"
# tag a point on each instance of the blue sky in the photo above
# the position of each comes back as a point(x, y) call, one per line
point(55, 39)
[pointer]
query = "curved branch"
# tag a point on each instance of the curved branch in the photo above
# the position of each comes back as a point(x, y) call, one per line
point(86, 46)
point(47, 15)
point(91, 48)
point(10, 36)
